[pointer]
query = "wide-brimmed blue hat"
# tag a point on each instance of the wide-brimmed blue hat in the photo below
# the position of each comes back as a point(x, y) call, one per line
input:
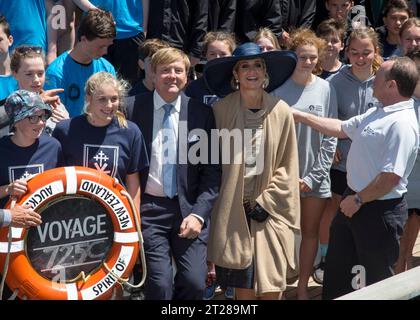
point(218, 72)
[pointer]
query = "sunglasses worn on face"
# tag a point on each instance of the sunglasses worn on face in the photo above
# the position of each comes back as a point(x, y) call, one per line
point(26, 49)
point(35, 118)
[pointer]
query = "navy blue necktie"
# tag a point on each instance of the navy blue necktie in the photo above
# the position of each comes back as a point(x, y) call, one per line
point(169, 146)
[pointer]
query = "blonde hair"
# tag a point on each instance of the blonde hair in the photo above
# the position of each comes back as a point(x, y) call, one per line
point(304, 36)
point(410, 22)
point(96, 81)
point(368, 33)
point(268, 34)
point(170, 55)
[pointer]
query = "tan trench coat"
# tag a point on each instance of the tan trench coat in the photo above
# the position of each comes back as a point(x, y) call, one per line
point(271, 243)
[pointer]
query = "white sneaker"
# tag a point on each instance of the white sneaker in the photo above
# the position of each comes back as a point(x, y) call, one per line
point(318, 274)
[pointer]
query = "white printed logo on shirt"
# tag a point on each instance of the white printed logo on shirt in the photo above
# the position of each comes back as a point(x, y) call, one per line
point(102, 158)
point(24, 172)
point(368, 131)
point(316, 109)
point(210, 99)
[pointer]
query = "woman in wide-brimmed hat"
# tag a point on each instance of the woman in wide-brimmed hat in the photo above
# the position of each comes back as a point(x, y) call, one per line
point(257, 213)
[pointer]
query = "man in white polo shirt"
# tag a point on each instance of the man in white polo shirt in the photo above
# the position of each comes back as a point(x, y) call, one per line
point(364, 235)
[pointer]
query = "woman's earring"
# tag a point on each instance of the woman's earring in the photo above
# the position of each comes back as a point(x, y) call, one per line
point(265, 82)
point(236, 84)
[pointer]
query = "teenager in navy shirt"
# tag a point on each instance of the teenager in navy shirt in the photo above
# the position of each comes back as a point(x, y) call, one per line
point(216, 45)
point(28, 150)
point(145, 52)
point(102, 138)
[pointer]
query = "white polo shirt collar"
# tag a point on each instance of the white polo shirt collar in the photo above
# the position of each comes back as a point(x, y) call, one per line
point(407, 104)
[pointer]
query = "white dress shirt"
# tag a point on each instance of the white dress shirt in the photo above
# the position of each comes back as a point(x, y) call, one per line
point(7, 217)
point(154, 184)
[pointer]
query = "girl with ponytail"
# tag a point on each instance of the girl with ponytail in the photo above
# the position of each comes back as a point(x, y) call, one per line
point(102, 138)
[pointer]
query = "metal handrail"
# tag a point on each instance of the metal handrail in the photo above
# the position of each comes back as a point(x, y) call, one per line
point(403, 286)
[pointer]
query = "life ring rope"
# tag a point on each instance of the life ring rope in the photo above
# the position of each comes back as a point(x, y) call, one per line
point(109, 279)
point(119, 279)
point(82, 275)
point(140, 238)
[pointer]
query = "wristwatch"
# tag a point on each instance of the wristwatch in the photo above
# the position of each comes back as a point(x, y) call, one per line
point(358, 200)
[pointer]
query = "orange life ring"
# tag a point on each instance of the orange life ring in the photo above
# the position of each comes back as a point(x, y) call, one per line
point(120, 259)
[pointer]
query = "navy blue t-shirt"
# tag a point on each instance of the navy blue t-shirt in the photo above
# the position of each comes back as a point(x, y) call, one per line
point(23, 162)
point(138, 88)
point(388, 50)
point(198, 90)
point(325, 74)
point(116, 151)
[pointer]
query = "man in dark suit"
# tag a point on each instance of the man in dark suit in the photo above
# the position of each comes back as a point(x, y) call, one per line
point(178, 192)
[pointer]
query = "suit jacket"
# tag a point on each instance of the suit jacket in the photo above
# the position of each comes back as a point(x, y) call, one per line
point(222, 15)
point(297, 13)
point(182, 23)
point(198, 184)
point(1, 218)
point(254, 14)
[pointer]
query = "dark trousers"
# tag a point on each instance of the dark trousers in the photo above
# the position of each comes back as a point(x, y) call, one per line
point(123, 55)
point(161, 219)
point(365, 246)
